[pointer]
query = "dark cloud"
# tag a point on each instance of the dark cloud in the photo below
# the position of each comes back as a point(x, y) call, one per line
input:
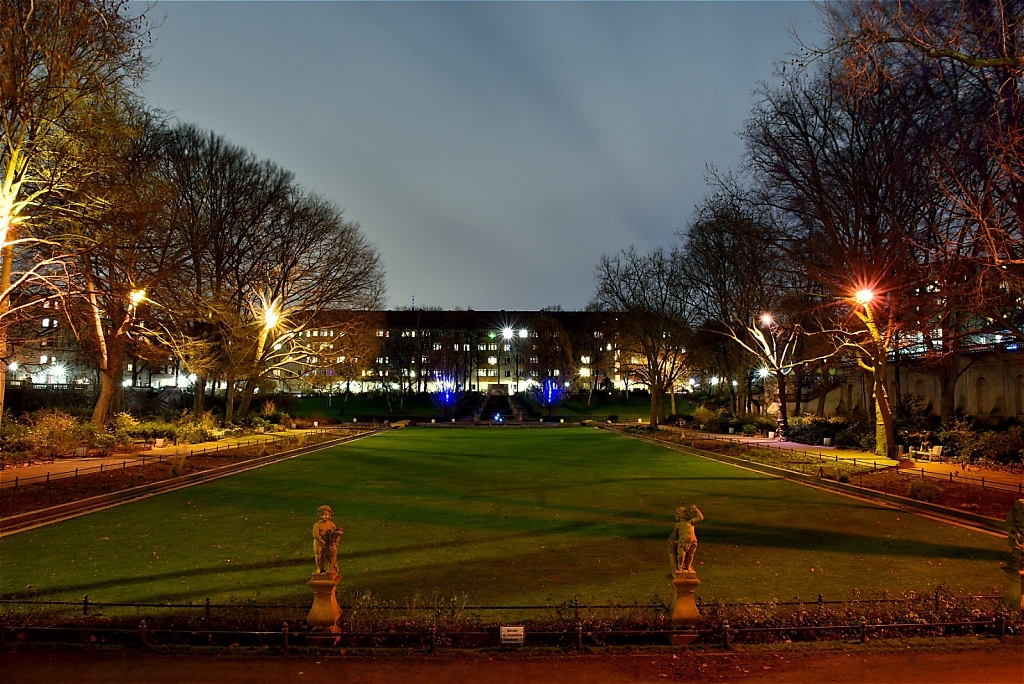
point(493, 151)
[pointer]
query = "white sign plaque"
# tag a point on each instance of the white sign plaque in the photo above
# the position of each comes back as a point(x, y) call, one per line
point(513, 634)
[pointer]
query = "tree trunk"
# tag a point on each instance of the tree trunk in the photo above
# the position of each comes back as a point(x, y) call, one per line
point(884, 436)
point(229, 401)
point(5, 306)
point(655, 390)
point(782, 421)
point(246, 400)
point(199, 401)
point(110, 383)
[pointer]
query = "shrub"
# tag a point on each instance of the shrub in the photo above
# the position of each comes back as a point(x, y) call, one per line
point(814, 429)
point(705, 417)
point(53, 434)
point(749, 429)
point(1002, 447)
point(960, 442)
point(924, 490)
point(193, 433)
point(126, 423)
point(105, 442)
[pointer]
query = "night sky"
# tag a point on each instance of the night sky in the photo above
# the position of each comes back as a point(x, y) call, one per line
point(491, 151)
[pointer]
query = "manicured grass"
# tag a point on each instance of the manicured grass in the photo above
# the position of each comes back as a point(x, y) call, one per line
point(509, 517)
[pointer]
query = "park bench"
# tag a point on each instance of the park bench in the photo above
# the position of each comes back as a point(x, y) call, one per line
point(932, 454)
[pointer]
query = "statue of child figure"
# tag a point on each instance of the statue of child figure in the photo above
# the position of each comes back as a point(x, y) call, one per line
point(682, 543)
point(325, 541)
point(1015, 533)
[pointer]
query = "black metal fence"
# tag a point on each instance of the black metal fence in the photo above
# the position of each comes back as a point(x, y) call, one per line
point(428, 627)
point(185, 452)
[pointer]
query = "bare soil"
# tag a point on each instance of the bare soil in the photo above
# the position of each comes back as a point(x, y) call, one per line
point(953, 493)
point(35, 496)
point(986, 662)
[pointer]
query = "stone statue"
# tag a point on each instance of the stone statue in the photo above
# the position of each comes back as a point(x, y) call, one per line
point(682, 543)
point(1015, 533)
point(325, 541)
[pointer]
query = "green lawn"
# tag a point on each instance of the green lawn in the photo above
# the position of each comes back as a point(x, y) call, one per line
point(502, 516)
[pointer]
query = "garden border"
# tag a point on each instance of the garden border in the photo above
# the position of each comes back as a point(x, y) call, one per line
point(979, 522)
point(44, 516)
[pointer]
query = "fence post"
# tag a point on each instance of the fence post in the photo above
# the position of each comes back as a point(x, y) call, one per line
point(982, 481)
point(47, 477)
point(579, 636)
point(85, 605)
point(208, 608)
point(863, 630)
point(142, 632)
point(433, 638)
point(76, 472)
point(821, 601)
point(936, 599)
point(285, 633)
point(726, 636)
point(576, 606)
point(1001, 620)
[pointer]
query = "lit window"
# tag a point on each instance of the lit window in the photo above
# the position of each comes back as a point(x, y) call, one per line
point(585, 359)
point(46, 322)
point(43, 359)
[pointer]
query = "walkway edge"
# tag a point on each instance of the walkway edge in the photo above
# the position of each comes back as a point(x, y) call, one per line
point(73, 509)
point(982, 522)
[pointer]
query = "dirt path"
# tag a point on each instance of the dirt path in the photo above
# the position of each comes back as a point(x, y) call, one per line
point(991, 663)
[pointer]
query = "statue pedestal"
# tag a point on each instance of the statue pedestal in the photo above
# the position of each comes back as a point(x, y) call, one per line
point(684, 609)
point(1015, 590)
point(324, 614)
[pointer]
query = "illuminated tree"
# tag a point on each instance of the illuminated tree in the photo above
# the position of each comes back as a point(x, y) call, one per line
point(841, 179)
point(445, 393)
point(60, 62)
point(255, 242)
point(746, 289)
point(120, 246)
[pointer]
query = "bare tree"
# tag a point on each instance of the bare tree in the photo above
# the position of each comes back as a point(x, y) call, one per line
point(654, 319)
point(842, 179)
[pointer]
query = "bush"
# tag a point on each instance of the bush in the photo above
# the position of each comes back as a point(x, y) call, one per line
point(193, 433)
point(53, 434)
point(105, 442)
point(749, 429)
point(705, 417)
point(814, 429)
point(924, 490)
point(1002, 447)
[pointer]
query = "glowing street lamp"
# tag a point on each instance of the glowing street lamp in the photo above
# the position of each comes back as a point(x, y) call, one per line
point(137, 297)
point(271, 317)
point(864, 296)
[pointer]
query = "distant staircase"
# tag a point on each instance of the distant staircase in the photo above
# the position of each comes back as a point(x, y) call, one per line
point(498, 408)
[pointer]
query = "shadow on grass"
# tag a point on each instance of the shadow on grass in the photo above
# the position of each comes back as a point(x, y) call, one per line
point(802, 538)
